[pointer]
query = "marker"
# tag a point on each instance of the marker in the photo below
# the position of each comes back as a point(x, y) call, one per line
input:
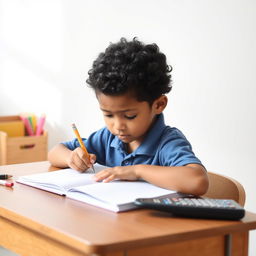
point(32, 120)
point(81, 143)
point(27, 125)
point(6, 183)
point(40, 125)
point(5, 176)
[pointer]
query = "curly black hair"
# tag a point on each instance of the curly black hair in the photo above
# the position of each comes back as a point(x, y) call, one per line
point(131, 66)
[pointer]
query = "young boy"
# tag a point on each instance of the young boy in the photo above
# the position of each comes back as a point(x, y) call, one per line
point(130, 80)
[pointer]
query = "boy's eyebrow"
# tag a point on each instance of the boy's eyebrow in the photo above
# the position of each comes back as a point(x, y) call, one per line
point(121, 111)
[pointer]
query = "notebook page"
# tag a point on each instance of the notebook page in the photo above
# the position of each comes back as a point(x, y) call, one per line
point(60, 180)
point(121, 192)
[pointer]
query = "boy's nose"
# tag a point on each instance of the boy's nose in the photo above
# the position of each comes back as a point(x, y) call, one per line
point(119, 125)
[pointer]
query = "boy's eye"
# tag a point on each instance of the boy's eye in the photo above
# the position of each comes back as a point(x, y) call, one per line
point(131, 117)
point(125, 116)
point(108, 115)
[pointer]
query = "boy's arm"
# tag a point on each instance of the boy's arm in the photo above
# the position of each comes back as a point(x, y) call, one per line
point(189, 179)
point(58, 156)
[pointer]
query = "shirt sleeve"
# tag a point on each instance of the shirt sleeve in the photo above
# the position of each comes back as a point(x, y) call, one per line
point(95, 144)
point(177, 151)
point(72, 144)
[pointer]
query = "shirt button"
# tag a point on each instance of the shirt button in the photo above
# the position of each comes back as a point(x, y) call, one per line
point(126, 162)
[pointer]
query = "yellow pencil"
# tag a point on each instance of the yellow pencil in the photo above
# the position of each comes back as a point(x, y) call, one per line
point(81, 142)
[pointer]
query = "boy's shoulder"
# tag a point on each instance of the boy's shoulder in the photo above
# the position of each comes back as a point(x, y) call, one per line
point(171, 137)
point(173, 132)
point(160, 129)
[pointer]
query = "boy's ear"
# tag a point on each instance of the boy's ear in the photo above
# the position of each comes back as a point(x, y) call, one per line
point(159, 104)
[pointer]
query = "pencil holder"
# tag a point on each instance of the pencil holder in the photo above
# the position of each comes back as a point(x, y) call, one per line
point(15, 147)
point(23, 149)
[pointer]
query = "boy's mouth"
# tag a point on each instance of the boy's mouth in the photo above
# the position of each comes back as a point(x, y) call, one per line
point(123, 137)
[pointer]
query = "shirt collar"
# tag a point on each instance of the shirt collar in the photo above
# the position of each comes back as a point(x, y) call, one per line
point(148, 146)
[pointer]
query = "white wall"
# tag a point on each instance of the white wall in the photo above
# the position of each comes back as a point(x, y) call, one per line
point(47, 47)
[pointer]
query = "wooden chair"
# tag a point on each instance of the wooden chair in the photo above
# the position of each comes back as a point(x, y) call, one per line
point(223, 187)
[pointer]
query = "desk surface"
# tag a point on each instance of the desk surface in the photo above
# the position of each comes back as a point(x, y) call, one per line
point(93, 230)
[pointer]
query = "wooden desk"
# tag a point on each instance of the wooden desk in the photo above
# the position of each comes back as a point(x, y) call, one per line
point(35, 222)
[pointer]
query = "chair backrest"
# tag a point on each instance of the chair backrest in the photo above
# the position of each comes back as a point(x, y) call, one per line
point(222, 187)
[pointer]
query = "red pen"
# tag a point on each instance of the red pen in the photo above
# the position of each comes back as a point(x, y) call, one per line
point(6, 183)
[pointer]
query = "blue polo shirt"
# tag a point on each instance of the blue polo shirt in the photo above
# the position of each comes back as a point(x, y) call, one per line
point(163, 145)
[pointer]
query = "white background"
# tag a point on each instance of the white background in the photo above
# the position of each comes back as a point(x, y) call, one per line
point(47, 48)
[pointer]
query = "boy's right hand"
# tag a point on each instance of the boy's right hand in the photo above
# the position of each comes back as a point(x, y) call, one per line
point(79, 161)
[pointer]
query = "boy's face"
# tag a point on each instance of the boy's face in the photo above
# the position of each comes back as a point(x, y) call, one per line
point(128, 118)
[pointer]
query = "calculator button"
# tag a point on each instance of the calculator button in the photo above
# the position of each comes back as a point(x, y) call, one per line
point(188, 201)
point(195, 202)
point(210, 203)
point(169, 201)
point(165, 201)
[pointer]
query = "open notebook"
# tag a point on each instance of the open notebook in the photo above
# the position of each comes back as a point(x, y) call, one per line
point(116, 196)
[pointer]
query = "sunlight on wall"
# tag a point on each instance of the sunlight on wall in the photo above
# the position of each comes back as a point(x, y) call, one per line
point(36, 95)
point(31, 58)
point(33, 29)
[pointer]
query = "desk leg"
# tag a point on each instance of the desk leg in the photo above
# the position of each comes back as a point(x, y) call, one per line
point(240, 242)
point(228, 245)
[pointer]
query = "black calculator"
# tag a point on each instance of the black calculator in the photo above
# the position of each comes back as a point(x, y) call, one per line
point(194, 207)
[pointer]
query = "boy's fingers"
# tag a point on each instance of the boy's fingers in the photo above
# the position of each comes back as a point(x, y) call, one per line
point(81, 154)
point(109, 178)
point(77, 167)
point(84, 158)
point(88, 161)
point(92, 158)
point(104, 175)
point(79, 161)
